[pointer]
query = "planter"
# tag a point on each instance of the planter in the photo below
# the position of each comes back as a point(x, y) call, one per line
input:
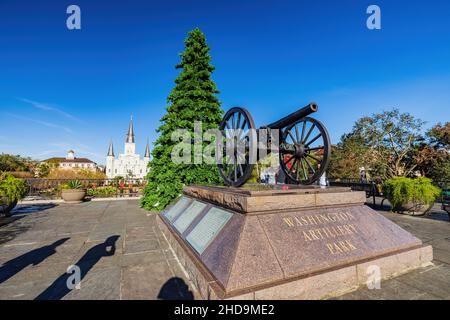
point(5, 209)
point(73, 195)
point(414, 208)
point(411, 196)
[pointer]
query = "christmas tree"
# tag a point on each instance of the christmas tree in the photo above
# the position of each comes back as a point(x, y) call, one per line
point(193, 99)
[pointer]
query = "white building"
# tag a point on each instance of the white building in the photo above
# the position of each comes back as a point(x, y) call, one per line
point(129, 164)
point(72, 162)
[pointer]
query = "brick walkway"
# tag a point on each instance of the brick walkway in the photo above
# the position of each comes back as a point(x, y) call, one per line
point(122, 255)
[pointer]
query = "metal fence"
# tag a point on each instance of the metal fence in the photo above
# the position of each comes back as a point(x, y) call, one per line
point(96, 188)
point(373, 189)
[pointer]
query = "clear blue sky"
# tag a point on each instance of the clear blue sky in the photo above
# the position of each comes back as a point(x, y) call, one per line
point(62, 89)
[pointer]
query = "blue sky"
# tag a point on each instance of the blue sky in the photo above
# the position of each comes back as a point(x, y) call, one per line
point(63, 89)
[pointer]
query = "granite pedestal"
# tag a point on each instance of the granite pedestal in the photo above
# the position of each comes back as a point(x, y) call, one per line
point(285, 242)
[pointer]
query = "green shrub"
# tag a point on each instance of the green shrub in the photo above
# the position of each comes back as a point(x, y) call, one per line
point(401, 190)
point(102, 191)
point(12, 189)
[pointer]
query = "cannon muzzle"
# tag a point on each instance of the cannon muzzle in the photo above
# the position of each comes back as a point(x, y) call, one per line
point(294, 117)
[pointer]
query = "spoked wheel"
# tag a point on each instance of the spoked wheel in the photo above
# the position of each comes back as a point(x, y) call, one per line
point(305, 151)
point(237, 152)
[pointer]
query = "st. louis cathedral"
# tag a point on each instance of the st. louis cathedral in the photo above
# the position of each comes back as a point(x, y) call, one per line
point(129, 164)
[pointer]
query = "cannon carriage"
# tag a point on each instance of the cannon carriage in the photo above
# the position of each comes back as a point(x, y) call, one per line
point(303, 146)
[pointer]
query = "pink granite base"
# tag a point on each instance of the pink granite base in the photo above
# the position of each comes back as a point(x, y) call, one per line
point(322, 285)
point(297, 253)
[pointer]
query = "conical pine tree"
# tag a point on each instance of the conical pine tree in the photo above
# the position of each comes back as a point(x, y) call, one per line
point(193, 99)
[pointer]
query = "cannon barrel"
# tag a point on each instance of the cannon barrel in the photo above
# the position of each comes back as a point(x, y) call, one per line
point(294, 117)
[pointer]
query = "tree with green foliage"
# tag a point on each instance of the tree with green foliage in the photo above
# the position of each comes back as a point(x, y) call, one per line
point(348, 156)
point(384, 143)
point(15, 163)
point(193, 99)
point(433, 156)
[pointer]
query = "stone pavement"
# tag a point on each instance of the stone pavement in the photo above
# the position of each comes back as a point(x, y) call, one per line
point(122, 255)
point(432, 282)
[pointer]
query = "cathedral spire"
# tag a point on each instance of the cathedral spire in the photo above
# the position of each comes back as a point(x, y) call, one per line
point(130, 134)
point(147, 151)
point(111, 149)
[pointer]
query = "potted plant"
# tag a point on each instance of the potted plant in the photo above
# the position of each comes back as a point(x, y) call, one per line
point(11, 190)
point(73, 192)
point(411, 196)
point(102, 191)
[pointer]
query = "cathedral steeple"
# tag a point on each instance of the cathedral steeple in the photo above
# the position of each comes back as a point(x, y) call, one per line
point(130, 134)
point(147, 151)
point(111, 149)
point(128, 163)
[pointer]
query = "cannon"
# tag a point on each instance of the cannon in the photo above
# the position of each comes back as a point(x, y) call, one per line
point(303, 146)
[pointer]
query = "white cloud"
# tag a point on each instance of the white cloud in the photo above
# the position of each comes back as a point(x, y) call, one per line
point(44, 123)
point(48, 107)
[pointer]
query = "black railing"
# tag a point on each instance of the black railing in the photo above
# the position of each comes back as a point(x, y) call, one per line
point(371, 188)
point(96, 188)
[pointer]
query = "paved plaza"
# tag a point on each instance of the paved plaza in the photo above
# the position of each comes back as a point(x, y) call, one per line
point(121, 254)
point(115, 243)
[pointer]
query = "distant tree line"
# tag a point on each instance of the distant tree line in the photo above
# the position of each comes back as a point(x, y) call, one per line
point(392, 144)
point(16, 163)
point(26, 167)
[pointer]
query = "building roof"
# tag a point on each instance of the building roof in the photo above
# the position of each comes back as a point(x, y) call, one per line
point(111, 149)
point(147, 151)
point(130, 134)
point(76, 160)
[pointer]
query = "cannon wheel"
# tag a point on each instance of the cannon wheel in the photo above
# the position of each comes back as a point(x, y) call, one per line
point(238, 130)
point(305, 151)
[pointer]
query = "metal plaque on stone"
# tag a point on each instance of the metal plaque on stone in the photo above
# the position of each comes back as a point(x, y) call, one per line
point(208, 228)
point(186, 218)
point(176, 209)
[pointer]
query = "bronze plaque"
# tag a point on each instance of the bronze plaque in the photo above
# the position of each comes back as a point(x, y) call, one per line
point(176, 209)
point(188, 215)
point(208, 228)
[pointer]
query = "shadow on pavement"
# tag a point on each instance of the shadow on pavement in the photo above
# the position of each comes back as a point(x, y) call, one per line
point(31, 208)
point(435, 213)
point(11, 226)
point(60, 287)
point(175, 289)
point(22, 211)
point(33, 257)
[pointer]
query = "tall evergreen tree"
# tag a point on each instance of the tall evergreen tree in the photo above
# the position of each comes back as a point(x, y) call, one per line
point(193, 99)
